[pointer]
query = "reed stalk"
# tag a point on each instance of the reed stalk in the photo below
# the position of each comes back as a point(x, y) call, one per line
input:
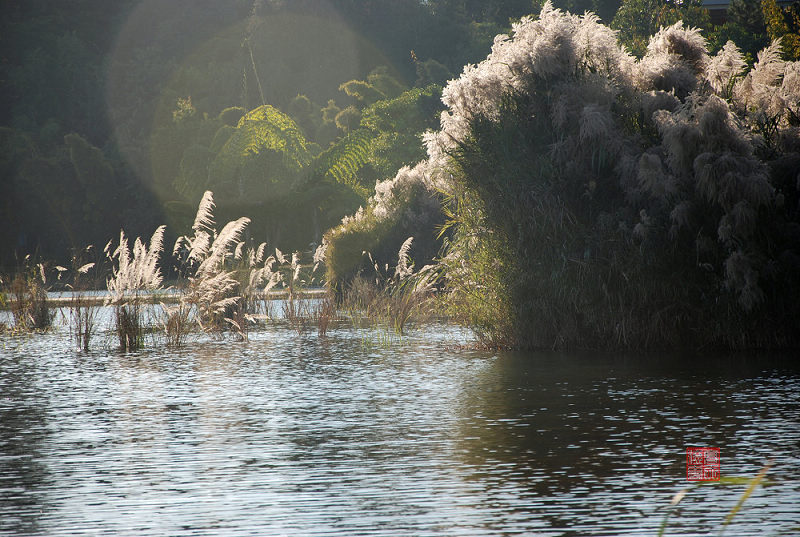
point(82, 311)
point(27, 297)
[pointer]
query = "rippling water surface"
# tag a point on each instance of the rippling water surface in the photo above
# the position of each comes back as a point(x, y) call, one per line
point(349, 435)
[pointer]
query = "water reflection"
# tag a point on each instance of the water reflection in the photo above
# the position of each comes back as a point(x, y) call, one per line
point(606, 436)
point(309, 436)
point(24, 477)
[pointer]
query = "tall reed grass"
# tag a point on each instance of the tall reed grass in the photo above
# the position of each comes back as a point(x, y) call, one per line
point(175, 320)
point(134, 273)
point(391, 298)
point(82, 309)
point(224, 285)
point(27, 297)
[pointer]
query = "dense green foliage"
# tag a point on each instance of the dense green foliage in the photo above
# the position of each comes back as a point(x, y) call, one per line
point(385, 142)
point(157, 90)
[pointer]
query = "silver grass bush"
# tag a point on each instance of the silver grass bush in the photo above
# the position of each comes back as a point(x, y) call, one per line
point(223, 277)
point(600, 201)
point(211, 288)
point(134, 272)
point(407, 204)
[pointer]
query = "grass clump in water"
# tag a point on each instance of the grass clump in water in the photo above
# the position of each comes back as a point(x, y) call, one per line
point(391, 299)
point(26, 296)
point(82, 309)
point(134, 272)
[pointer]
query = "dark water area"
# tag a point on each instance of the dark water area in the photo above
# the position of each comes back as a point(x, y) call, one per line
point(355, 435)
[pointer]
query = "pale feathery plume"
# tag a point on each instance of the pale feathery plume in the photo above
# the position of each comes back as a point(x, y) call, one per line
point(769, 68)
point(666, 72)
point(759, 93)
point(256, 277)
point(251, 257)
point(227, 238)
point(319, 254)
point(212, 290)
point(404, 267)
point(236, 326)
point(296, 265)
point(724, 67)
point(727, 178)
point(269, 262)
point(687, 43)
point(596, 124)
point(153, 272)
point(122, 254)
point(653, 101)
point(272, 281)
point(321, 250)
point(199, 246)
point(221, 305)
point(137, 271)
point(790, 89)
point(598, 48)
point(260, 252)
point(653, 178)
point(204, 220)
point(678, 497)
point(180, 244)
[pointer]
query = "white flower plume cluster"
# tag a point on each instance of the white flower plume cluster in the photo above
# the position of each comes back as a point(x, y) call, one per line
point(710, 116)
point(135, 270)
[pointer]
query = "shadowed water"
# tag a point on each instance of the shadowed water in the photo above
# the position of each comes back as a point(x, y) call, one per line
point(348, 435)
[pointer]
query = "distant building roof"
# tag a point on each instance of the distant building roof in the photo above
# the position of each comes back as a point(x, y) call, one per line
point(716, 4)
point(723, 4)
point(718, 8)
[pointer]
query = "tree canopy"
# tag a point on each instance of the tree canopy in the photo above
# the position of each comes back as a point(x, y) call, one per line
point(122, 113)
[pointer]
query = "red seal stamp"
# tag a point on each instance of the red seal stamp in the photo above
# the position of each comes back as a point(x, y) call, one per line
point(702, 464)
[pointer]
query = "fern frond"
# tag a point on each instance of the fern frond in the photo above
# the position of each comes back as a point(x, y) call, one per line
point(342, 162)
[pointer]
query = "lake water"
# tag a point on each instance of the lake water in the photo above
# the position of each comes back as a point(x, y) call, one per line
point(353, 435)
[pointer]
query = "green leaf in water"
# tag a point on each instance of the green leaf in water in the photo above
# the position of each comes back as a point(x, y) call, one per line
point(753, 484)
